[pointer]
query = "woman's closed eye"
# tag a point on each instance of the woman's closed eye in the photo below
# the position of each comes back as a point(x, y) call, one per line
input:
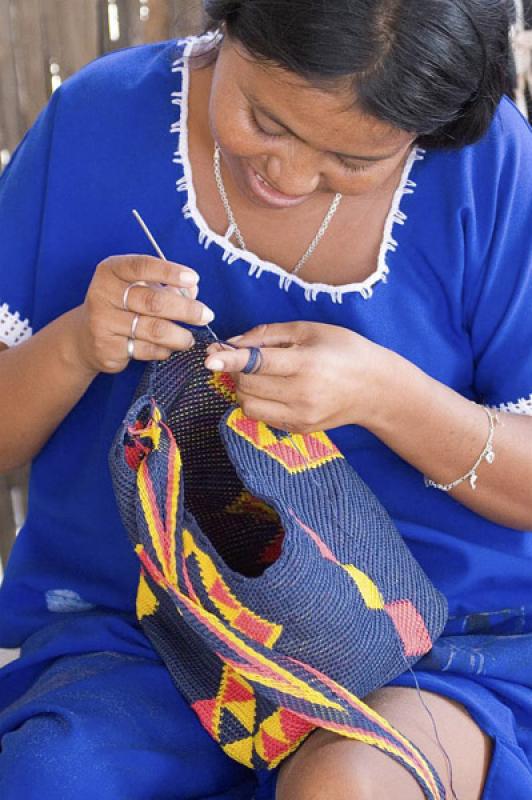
point(347, 165)
point(260, 128)
point(351, 166)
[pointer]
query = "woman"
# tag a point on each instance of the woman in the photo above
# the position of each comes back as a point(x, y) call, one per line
point(379, 133)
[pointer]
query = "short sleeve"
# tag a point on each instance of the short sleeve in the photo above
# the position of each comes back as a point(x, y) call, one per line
point(22, 201)
point(499, 284)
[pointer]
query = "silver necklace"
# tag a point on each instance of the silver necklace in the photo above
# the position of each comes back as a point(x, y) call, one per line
point(234, 230)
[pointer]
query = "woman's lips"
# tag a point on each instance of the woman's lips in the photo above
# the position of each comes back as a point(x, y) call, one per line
point(270, 196)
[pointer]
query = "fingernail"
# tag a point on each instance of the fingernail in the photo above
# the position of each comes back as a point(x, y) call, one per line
point(207, 315)
point(215, 364)
point(234, 339)
point(189, 278)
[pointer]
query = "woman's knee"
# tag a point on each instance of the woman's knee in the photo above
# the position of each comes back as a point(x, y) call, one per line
point(328, 767)
point(40, 759)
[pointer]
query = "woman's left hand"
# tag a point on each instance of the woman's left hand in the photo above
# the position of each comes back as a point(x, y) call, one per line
point(312, 376)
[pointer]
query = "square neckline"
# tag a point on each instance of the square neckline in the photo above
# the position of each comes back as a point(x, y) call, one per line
point(257, 266)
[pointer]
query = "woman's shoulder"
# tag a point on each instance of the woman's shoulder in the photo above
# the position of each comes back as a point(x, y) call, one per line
point(507, 144)
point(484, 181)
point(506, 149)
point(510, 125)
point(127, 73)
point(125, 67)
point(498, 168)
point(503, 154)
point(110, 107)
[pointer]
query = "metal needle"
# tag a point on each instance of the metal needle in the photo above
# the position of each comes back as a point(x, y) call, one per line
point(163, 257)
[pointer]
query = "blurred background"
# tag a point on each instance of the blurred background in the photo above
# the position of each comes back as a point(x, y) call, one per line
point(42, 42)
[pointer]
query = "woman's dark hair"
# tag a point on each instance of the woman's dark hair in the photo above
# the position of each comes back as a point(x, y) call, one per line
point(436, 68)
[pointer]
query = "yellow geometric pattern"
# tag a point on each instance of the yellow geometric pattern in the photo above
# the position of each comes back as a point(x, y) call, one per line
point(223, 383)
point(295, 452)
point(367, 588)
point(286, 682)
point(161, 532)
point(147, 603)
point(273, 729)
point(369, 591)
point(236, 696)
point(240, 617)
point(272, 741)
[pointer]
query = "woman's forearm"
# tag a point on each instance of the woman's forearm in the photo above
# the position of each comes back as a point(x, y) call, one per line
point(442, 434)
point(42, 380)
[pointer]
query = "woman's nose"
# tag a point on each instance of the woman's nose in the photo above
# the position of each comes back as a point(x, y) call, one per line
point(292, 173)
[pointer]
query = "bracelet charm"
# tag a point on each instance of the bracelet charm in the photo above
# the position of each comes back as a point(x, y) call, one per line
point(488, 455)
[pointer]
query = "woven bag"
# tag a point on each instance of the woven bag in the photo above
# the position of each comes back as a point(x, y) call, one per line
point(272, 581)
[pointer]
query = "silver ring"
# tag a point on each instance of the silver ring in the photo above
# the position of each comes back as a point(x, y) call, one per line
point(127, 291)
point(130, 348)
point(133, 334)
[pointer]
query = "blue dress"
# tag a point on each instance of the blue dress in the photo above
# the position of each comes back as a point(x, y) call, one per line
point(452, 292)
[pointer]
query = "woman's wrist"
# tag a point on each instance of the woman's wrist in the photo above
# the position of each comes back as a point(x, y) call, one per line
point(384, 378)
point(70, 346)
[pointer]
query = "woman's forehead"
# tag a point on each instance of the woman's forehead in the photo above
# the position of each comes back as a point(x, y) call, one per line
point(327, 117)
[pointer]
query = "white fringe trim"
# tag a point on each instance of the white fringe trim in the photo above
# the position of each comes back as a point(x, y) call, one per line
point(13, 329)
point(521, 406)
point(257, 266)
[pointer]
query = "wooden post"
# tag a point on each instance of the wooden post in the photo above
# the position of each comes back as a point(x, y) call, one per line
point(42, 42)
point(71, 36)
point(188, 17)
point(159, 23)
point(30, 59)
point(11, 128)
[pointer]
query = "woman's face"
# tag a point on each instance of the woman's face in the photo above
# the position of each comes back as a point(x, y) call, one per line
point(284, 140)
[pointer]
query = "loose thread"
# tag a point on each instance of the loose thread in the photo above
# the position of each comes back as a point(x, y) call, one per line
point(435, 729)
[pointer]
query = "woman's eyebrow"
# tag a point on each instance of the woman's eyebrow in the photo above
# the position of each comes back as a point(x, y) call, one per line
point(277, 121)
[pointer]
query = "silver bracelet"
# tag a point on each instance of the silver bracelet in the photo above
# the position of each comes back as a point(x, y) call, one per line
point(488, 455)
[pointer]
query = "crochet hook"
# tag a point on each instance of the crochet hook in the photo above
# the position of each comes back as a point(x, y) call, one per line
point(162, 256)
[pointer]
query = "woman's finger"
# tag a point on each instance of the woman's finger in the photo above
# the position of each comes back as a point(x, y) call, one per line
point(157, 331)
point(272, 412)
point(117, 355)
point(132, 268)
point(282, 334)
point(282, 362)
point(165, 303)
point(146, 351)
point(264, 387)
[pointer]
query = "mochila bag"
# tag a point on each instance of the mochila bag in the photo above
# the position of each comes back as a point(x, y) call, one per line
point(273, 583)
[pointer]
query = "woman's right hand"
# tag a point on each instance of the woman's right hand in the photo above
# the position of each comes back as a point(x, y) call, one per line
point(105, 325)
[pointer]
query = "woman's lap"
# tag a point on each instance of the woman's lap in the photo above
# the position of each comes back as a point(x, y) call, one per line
point(111, 725)
point(90, 704)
